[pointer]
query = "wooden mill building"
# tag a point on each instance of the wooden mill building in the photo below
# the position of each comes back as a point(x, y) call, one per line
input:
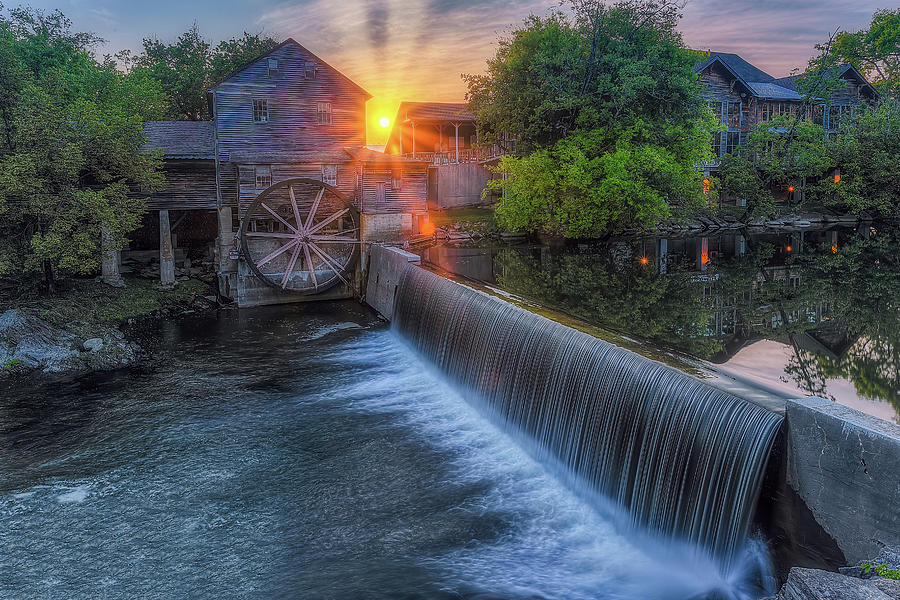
point(744, 96)
point(285, 115)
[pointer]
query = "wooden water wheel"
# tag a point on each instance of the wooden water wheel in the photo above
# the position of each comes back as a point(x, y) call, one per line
point(301, 235)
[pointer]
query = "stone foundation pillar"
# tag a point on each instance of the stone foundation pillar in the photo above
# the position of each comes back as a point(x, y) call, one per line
point(166, 251)
point(109, 267)
point(225, 244)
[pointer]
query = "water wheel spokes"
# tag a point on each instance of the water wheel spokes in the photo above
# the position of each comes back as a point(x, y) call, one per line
point(301, 235)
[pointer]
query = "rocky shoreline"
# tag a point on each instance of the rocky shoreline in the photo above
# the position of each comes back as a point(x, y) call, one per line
point(860, 582)
point(30, 344)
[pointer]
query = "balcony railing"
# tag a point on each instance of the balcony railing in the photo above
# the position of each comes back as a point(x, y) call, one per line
point(451, 157)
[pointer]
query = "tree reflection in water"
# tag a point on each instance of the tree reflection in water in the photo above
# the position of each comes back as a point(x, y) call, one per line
point(833, 297)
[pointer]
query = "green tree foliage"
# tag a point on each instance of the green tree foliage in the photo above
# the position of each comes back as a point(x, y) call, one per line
point(875, 51)
point(70, 146)
point(867, 154)
point(190, 65)
point(603, 117)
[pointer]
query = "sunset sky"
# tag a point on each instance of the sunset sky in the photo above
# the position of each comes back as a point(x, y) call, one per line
point(417, 49)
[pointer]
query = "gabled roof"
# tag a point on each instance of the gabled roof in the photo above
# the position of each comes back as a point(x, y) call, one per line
point(286, 42)
point(434, 111)
point(181, 139)
point(739, 67)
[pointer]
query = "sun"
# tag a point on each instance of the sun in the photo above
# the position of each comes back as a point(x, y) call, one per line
point(384, 121)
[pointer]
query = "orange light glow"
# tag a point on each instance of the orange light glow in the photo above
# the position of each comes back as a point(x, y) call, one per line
point(791, 189)
point(705, 185)
point(384, 122)
point(704, 258)
point(837, 177)
point(834, 248)
point(789, 248)
point(645, 260)
point(427, 228)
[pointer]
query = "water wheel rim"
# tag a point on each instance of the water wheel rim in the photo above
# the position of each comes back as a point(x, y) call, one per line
point(302, 239)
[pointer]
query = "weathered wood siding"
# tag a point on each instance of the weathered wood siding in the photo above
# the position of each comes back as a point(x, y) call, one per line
point(410, 198)
point(190, 185)
point(347, 179)
point(292, 99)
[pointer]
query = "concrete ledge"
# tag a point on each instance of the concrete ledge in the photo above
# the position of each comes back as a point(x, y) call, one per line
point(386, 265)
point(845, 465)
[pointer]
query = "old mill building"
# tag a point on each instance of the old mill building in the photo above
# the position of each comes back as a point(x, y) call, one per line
point(284, 171)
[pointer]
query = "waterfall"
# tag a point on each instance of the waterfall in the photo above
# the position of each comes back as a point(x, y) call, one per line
point(683, 459)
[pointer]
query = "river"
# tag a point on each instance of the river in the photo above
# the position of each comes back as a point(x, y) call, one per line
point(295, 452)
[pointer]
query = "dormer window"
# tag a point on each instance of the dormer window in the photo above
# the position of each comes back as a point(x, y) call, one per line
point(323, 113)
point(310, 70)
point(260, 111)
point(273, 64)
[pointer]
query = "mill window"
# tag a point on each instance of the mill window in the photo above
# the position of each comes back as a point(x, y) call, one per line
point(329, 174)
point(396, 179)
point(273, 64)
point(309, 70)
point(734, 114)
point(263, 177)
point(260, 111)
point(732, 141)
point(323, 113)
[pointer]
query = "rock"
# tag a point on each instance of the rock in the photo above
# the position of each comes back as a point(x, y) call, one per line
point(30, 343)
point(813, 584)
point(890, 587)
point(93, 344)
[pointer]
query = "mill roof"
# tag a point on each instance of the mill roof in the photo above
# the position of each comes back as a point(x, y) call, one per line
point(181, 139)
point(435, 111)
point(737, 65)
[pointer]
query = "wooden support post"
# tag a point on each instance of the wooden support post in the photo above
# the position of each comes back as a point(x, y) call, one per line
point(663, 254)
point(109, 268)
point(226, 241)
point(166, 252)
point(456, 125)
point(413, 139)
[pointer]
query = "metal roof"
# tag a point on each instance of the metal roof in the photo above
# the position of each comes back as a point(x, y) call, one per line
point(181, 139)
point(737, 65)
point(773, 91)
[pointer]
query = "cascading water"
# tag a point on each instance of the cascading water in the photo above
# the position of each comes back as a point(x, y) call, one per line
point(683, 459)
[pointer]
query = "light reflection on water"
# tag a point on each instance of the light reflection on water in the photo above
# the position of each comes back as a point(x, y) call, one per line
point(294, 452)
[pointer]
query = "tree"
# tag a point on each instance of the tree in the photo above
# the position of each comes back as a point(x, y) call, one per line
point(603, 115)
point(867, 156)
point(190, 65)
point(875, 51)
point(70, 147)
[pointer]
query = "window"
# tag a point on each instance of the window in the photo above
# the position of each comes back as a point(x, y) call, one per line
point(717, 145)
point(838, 115)
point(309, 70)
point(734, 115)
point(323, 113)
point(716, 108)
point(732, 141)
point(263, 176)
point(329, 174)
point(817, 114)
point(273, 64)
point(764, 111)
point(260, 111)
point(396, 179)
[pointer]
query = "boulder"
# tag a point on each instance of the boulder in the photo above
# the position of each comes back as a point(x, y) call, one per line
point(813, 584)
point(93, 344)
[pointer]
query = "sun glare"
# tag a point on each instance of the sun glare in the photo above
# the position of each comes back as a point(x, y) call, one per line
point(384, 121)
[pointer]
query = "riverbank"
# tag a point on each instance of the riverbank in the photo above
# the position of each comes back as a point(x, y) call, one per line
point(84, 326)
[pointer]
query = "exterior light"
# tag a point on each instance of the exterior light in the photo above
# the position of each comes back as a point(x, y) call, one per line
point(791, 189)
point(645, 260)
point(789, 248)
point(837, 177)
point(834, 248)
point(705, 185)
